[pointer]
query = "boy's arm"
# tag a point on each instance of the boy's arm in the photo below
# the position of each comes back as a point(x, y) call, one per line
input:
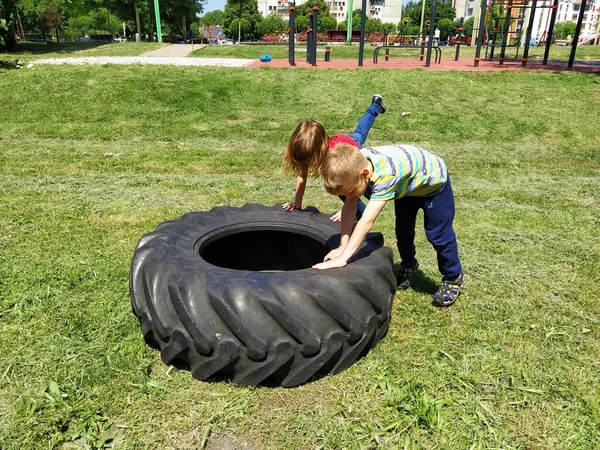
point(363, 226)
point(348, 215)
point(300, 188)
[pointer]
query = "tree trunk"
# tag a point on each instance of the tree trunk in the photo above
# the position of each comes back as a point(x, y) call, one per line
point(137, 22)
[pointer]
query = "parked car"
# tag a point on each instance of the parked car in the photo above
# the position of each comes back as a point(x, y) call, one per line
point(226, 42)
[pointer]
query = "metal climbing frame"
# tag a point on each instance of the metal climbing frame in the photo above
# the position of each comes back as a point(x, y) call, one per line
point(508, 20)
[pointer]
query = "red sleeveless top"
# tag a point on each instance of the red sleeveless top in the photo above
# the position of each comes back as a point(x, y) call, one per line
point(341, 139)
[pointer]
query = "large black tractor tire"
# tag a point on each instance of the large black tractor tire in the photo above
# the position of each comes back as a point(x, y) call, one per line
point(231, 293)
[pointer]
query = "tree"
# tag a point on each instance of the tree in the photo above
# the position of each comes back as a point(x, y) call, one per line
point(7, 35)
point(271, 24)
point(248, 9)
point(373, 25)
point(3, 33)
point(325, 20)
point(51, 19)
point(447, 29)
point(304, 8)
point(564, 29)
point(325, 23)
point(212, 18)
point(175, 12)
point(95, 22)
point(390, 27)
point(356, 19)
point(468, 26)
point(301, 23)
point(443, 11)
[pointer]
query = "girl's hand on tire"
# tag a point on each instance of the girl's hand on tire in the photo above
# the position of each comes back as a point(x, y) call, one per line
point(337, 216)
point(291, 206)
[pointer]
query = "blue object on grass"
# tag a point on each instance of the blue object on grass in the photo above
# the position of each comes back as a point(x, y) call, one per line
point(265, 58)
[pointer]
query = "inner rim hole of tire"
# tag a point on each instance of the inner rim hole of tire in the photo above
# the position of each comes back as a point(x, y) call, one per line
point(264, 250)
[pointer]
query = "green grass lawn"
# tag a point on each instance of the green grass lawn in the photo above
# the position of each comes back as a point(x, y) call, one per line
point(35, 50)
point(94, 157)
point(340, 51)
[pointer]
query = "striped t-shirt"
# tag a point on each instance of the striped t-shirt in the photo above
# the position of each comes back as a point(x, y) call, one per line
point(404, 170)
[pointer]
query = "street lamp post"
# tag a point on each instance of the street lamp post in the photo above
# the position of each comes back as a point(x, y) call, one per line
point(349, 22)
point(240, 24)
point(158, 27)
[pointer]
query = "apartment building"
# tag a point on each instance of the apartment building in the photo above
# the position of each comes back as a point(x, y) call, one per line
point(568, 11)
point(280, 7)
point(465, 8)
point(338, 9)
point(388, 11)
point(384, 10)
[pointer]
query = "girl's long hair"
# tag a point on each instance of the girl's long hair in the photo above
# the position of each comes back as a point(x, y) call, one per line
point(306, 148)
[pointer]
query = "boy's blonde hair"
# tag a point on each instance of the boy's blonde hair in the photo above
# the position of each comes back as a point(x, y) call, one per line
point(341, 168)
point(306, 148)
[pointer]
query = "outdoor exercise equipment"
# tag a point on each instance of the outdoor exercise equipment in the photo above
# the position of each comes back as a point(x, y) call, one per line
point(311, 35)
point(507, 21)
point(363, 20)
point(459, 42)
point(422, 47)
point(292, 33)
point(426, 44)
point(231, 293)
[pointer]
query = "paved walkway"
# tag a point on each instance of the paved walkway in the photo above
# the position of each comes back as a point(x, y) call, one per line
point(169, 55)
point(147, 60)
point(171, 51)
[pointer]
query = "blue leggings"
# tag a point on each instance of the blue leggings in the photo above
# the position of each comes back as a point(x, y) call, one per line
point(360, 136)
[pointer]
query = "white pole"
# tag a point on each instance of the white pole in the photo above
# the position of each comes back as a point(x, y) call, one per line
point(476, 21)
point(422, 19)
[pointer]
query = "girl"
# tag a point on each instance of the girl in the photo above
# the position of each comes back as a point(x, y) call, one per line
point(310, 142)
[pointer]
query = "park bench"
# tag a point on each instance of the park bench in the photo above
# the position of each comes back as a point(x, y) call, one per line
point(438, 51)
point(198, 40)
point(34, 37)
point(101, 38)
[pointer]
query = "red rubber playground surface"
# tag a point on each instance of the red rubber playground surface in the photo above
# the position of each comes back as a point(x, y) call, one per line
point(448, 64)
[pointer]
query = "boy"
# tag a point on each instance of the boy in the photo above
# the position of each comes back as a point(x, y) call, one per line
point(415, 179)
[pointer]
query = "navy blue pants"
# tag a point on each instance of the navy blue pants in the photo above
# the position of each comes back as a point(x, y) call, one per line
point(438, 211)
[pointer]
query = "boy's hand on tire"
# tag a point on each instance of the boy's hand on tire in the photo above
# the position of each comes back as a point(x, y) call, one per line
point(333, 254)
point(331, 264)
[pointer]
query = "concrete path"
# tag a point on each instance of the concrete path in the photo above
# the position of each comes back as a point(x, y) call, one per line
point(147, 60)
point(170, 55)
point(171, 51)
